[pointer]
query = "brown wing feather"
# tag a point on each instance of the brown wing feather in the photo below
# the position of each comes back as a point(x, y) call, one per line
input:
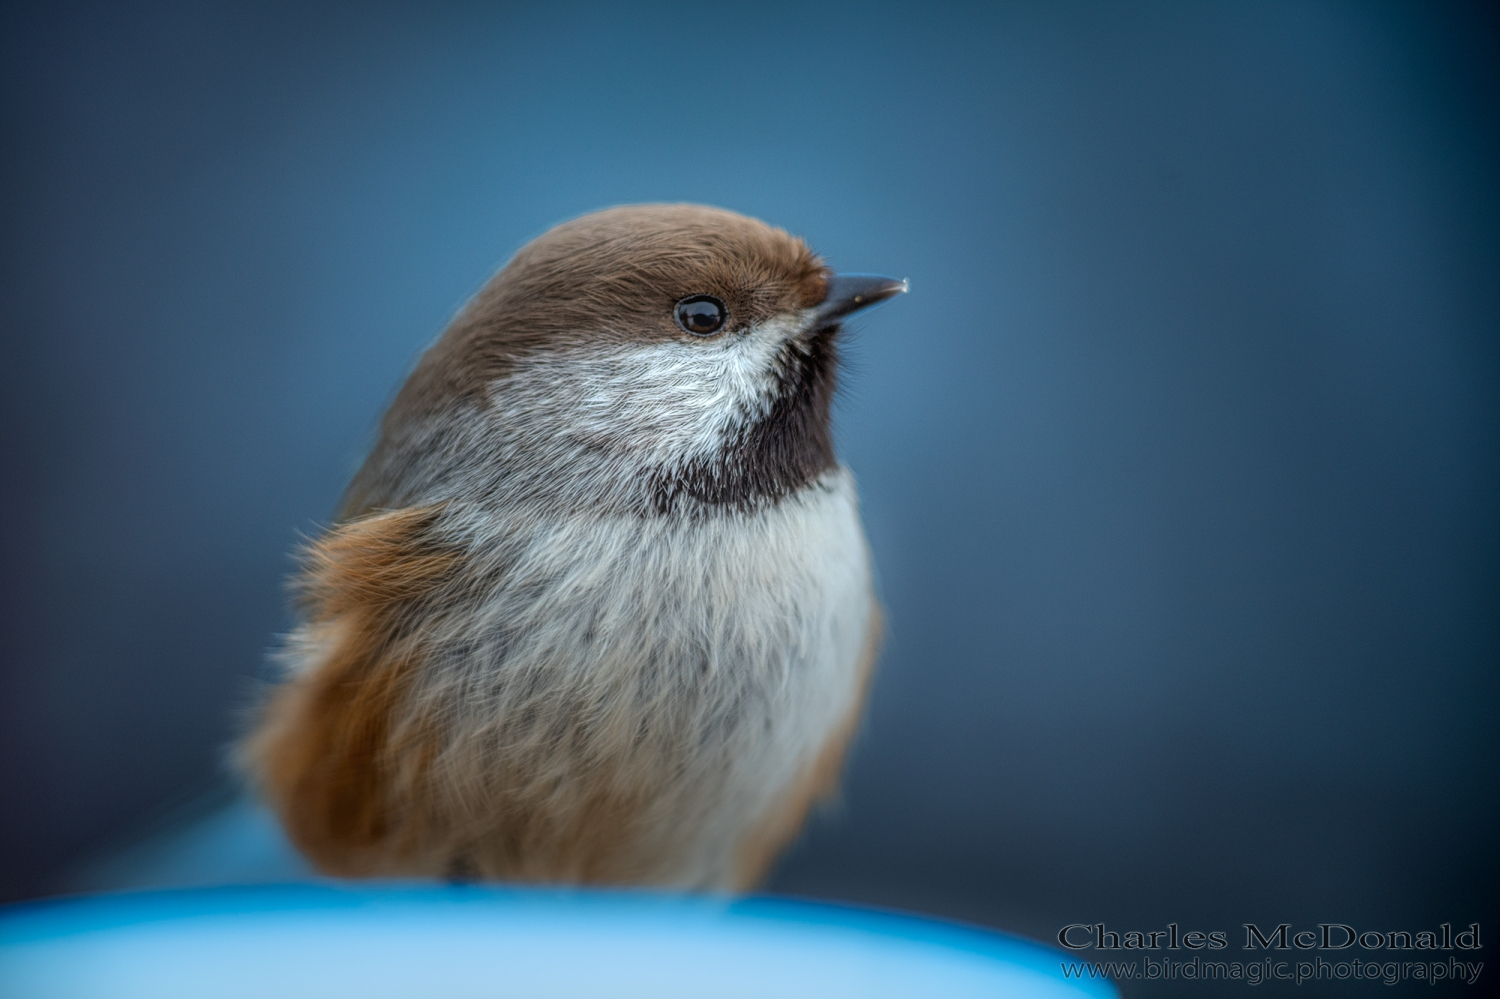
point(332, 741)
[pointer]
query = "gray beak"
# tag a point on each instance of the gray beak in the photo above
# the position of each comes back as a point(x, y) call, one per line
point(851, 292)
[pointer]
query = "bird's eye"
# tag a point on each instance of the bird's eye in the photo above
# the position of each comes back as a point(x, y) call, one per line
point(701, 315)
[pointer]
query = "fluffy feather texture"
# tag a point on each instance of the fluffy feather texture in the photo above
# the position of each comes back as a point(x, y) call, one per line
point(598, 608)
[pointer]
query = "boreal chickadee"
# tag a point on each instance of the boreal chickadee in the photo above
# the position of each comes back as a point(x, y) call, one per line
point(598, 606)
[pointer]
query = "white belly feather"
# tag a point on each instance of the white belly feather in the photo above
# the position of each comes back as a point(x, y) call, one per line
point(695, 667)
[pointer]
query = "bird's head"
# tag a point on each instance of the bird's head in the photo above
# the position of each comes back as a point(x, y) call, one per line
point(664, 354)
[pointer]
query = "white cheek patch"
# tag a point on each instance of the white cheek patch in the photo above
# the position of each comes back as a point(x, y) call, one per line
point(665, 402)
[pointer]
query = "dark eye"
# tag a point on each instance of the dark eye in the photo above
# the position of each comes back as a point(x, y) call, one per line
point(701, 315)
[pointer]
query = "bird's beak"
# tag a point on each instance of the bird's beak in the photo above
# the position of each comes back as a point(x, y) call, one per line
point(851, 292)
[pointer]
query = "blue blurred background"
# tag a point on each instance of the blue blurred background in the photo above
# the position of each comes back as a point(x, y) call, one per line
point(1180, 462)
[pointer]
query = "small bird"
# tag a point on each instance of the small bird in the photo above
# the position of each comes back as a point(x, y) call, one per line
point(597, 608)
